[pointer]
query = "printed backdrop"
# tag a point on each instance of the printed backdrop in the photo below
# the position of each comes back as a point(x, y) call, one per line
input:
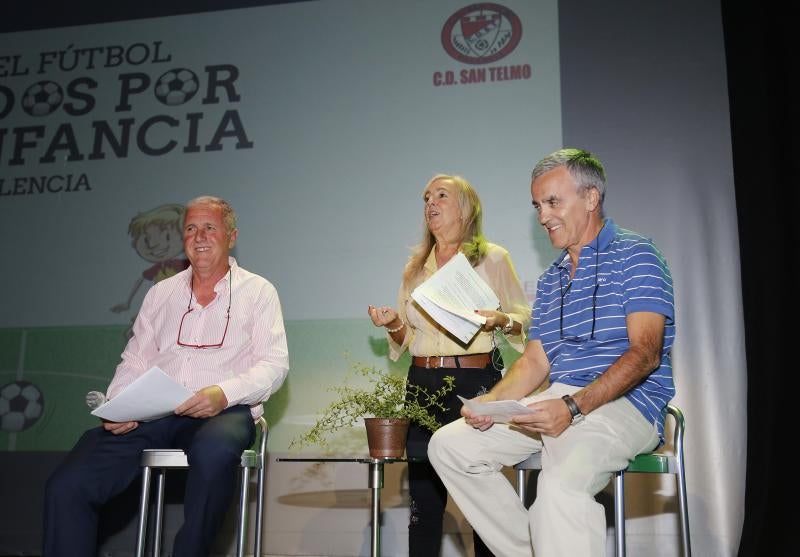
point(320, 123)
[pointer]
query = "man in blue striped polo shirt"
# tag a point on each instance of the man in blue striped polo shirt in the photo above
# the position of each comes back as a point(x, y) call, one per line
point(598, 365)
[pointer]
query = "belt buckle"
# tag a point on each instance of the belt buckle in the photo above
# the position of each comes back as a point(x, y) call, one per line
point(428, 362)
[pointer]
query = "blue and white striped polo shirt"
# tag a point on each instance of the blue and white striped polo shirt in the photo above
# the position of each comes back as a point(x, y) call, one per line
point(629, 274)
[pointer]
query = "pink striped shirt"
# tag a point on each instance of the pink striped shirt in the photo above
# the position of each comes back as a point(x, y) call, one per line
point(252, 362)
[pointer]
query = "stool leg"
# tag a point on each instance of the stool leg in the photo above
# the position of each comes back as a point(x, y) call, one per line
point(262, 473)
point(160, 479)
point(141, 531)
point(241, 522)
point(683, 508)
point(521, 485)
point(619, 512)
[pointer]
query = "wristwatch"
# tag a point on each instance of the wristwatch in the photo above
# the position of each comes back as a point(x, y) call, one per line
point(508, 327)
point(577, 417)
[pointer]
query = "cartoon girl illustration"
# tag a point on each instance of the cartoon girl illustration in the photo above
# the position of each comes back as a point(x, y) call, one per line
point(157, 237)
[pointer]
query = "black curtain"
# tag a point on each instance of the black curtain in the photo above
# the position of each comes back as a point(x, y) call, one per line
point(19, 15)
point(761, 63)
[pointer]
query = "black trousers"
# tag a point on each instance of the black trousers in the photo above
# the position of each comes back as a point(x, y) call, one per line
point(102, 465)
point(428, 494)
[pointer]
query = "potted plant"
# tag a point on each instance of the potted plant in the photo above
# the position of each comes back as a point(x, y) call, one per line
point(387, 404)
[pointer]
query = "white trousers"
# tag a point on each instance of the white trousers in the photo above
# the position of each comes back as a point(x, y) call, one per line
point(565, 520)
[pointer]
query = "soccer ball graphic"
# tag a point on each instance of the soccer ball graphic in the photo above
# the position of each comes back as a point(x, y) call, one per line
point(42, 98)
point(176, 86)
point(21, 405)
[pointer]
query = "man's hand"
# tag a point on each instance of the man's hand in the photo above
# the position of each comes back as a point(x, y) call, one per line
point(551, 418)
point(120, 428)
point(205, 403)
point(477, 421)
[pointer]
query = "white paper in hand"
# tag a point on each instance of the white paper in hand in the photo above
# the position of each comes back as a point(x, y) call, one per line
point(501, 411)
point(152, 396)
point(451, 296)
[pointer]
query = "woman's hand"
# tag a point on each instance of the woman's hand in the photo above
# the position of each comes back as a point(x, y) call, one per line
point(383, 316)
point(494, 319)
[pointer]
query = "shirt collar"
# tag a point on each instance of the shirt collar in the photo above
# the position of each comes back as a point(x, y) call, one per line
point(223, 282)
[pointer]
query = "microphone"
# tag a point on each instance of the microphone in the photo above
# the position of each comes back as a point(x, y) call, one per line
point(95, 399)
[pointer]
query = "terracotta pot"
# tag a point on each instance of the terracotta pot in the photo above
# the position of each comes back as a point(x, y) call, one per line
point(386, 437)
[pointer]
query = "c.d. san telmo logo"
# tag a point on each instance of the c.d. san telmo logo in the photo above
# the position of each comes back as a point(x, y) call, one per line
point(481, 33)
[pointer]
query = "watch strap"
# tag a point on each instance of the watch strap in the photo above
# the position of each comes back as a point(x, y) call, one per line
point(573, 408)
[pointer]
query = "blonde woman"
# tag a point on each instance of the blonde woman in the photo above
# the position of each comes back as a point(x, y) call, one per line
point(453, 224)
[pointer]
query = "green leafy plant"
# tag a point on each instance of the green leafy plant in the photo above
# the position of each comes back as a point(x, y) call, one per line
point(384, 396)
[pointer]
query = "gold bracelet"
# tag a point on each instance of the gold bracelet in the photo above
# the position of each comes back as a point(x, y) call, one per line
point(402, 324)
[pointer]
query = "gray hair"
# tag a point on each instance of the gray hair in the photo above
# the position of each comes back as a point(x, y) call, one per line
point(228, 214)
point(584, 167)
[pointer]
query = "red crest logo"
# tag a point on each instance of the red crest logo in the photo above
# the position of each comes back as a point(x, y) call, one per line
point(481, 33)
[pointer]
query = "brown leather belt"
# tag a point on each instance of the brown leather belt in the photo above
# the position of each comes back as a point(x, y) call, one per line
point(436, 362)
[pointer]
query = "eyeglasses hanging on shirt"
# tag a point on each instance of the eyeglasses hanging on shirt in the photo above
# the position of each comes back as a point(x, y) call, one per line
point(190, 309)
point(577, 338)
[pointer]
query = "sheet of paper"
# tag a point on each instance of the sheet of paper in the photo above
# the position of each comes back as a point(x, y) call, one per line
point(152, 396)
point(451, 296)
point(500, 410)
point(461, 327)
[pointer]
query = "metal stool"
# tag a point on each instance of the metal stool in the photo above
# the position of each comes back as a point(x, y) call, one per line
point(159, 460)
point(533, 462)
point(653, 463)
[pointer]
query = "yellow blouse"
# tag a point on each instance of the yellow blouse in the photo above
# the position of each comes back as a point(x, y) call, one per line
point(425, 337)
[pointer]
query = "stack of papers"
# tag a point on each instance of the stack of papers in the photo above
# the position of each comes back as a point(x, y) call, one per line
point(152, 396)
point(451, 296)
point(501, 411)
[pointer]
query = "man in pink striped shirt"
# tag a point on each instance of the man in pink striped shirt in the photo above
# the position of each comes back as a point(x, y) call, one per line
point(218, 330)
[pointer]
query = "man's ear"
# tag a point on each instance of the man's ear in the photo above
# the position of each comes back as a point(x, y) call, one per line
point(592, 199)
point(232, 239)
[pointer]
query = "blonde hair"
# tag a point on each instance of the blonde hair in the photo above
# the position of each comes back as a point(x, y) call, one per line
point(473, 242)
point(164, 216)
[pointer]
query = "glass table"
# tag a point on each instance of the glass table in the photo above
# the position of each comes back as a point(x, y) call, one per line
point(374, 482)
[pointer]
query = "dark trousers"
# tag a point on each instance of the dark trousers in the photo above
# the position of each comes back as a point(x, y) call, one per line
point(428, 494)
point(102, 465)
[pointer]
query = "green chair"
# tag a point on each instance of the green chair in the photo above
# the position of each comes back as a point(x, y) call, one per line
point(647, 463)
